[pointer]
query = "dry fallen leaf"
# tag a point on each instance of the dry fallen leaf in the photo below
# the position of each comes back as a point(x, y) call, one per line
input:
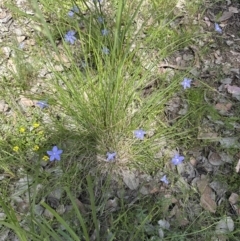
point(164, 224)
point(207, 21)
point(238, 166)
point(234, 198)
point(206, 134)
point(130, 179)
point(229, 142)
point(223, 107)
point(160, 233)
point(202, 184)
point(180, 218)
point(219, 187)
point(225, 16)
point(233, 10)
point(226, 158)
point(233, 89)
point(80, 206)
point(207, 202)
point(225, 225)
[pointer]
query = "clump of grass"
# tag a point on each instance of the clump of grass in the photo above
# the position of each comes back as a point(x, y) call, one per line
point(108, 102)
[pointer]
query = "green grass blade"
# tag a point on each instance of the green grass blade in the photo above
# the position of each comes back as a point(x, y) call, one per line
point(13, 222)
point(80, 218)
point(61, 220)
point(93, 206)
point(65, 236)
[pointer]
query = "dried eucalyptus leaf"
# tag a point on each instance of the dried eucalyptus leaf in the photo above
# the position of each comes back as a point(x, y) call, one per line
point(225, 225)
point(229, 142)
point(207, 199)
point(234, 198)
point(226, 158)
point(219, 188)
point(164, 224)
point(160, 233)
point(225, 16)
point(207, 203)
point(130, 179)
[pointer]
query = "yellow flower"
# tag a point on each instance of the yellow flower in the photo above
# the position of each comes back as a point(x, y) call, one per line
point(40, 133)
point(36, 147)
point(22, 129)
point(36, 125)
point(16, 148)
point(45, 158)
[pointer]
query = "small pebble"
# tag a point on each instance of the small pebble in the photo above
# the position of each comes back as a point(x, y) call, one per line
point(193, 161)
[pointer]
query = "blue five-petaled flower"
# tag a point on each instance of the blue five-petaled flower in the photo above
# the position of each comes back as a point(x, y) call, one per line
point(100, 19)
point(42, 104)
point(73, 11)
point(69, 37)
point(164, 179)
point(104, 32)
point(217, 28)
point(21, 45)
point(139, 134)
point(55, 154)
point(111, 156)
point(186, 83)
point(105, 50)
point(177, 159)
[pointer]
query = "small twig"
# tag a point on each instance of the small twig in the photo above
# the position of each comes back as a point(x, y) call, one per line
point(196, 61)
point(172, 66)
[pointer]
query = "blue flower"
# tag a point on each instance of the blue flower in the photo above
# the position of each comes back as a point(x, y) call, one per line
point(177, 159)
point(55, 154)
point(42, 104)
point(111, 156)
point(69, 37)
point(83, 64)
point(139, 134)
point(104, 32)
point(105, 50)
point(100, 19)
point(217, 28)
point(73, 11)
point(164, 179)
point(21, 45)
point(186, 83)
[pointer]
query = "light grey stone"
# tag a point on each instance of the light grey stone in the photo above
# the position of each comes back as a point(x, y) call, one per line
point(38, 209)
point(48, 214)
